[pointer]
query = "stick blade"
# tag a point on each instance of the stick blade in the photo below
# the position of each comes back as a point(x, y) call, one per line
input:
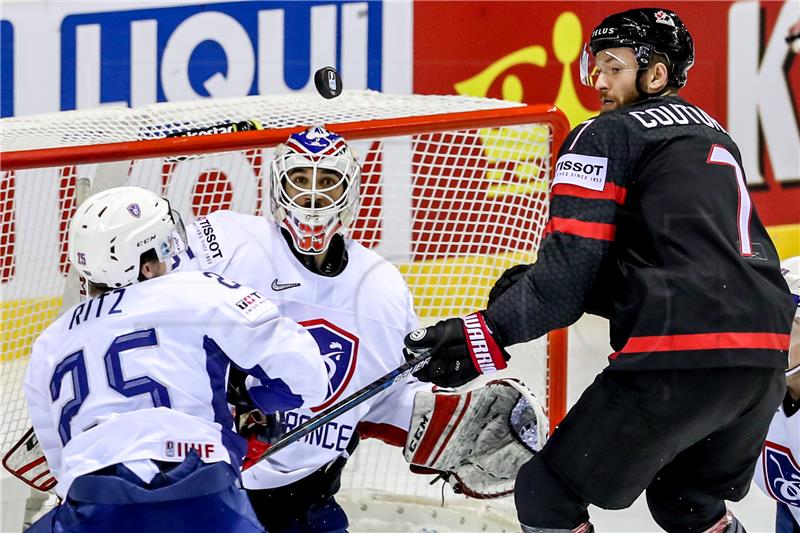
point(27, 462)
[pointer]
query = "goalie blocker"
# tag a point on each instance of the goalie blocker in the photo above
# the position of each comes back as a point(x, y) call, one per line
point(477, 440)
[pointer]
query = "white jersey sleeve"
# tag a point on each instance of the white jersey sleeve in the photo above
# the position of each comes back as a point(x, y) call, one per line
point(390, 416)
point(139, 374)
point(274, 349)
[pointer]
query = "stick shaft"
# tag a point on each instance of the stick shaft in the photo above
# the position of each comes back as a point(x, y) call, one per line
point(399, 374)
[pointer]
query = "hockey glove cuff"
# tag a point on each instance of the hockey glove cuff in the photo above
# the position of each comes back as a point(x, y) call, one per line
point(461, 349)
point(261, 432)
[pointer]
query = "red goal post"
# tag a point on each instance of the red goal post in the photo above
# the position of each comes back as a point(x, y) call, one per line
point(473, 181)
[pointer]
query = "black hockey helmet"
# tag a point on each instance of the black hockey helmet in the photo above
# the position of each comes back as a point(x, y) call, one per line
point(648, 30)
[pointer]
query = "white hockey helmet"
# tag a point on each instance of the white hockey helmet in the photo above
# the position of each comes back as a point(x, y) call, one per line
point(315, 204)
point(112, 229)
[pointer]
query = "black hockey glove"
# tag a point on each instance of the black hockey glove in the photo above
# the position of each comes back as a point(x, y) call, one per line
point(261, 430)
point(461, 348)
point(509, 278)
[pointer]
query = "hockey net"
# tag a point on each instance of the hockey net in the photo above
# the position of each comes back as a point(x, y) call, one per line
point(454, 191)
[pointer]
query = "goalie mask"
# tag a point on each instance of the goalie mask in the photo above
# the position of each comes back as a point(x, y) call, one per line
point(647, 31)
point(112, 229)
point(314, 188)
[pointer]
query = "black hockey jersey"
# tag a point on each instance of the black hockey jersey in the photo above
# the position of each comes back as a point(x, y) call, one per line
point(652, 227)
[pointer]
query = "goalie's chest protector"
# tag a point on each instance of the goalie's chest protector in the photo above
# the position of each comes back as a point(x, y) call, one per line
point(778, 467)
point(358, 318)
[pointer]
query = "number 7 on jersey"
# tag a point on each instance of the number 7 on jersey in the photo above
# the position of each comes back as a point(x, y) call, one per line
point(719, 155)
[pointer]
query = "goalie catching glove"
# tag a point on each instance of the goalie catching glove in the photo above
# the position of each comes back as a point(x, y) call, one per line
point(461, 349)
point(476, 440)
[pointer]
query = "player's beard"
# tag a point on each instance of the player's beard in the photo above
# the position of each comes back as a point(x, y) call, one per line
point(612, 102)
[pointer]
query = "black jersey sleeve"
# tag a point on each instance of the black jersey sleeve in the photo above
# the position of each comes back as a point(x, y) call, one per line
point(589, 186)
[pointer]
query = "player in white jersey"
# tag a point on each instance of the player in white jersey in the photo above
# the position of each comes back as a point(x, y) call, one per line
point(354, 303)
point(127, 390)
point(778, 469)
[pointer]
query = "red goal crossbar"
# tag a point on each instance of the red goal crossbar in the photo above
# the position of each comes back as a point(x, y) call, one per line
point(352, 130)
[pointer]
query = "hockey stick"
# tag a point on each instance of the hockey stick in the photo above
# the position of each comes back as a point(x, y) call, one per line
point(26, 461)
point(399, 374)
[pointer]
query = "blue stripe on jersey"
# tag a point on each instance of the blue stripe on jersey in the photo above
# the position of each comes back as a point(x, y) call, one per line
point(784, 521)
point(272, 394)
point(217, 367)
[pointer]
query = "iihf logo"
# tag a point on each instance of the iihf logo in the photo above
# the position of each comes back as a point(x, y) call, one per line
point(339, 349)
point(134, 210)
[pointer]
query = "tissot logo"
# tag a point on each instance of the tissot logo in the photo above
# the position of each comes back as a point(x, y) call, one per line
point(582, 170)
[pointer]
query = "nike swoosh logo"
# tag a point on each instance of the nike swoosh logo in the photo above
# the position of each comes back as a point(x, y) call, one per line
point(282, 286)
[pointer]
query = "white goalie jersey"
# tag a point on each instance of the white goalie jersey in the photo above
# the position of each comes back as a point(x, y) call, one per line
point(139, 374)
point(358, 318)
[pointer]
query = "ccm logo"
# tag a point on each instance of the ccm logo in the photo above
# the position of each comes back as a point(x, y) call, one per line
point(423, 425)
point(145, 241)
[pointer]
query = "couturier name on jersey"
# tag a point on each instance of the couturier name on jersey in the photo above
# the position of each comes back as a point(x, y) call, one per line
point(674, 115)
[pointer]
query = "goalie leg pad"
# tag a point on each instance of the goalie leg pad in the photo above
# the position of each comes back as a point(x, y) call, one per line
point(477, 439)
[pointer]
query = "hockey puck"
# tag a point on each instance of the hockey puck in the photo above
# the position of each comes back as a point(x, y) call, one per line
point(328, 82)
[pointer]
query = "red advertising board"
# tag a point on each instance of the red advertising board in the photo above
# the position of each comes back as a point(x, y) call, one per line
point(528, 51)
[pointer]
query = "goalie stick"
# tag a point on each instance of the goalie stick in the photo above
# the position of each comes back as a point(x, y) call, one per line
point(399, 374)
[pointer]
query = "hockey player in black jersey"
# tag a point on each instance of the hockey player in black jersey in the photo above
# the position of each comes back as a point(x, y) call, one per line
point(652, 227)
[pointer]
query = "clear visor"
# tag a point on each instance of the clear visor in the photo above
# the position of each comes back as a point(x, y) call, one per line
point(604, 63)
point(175, 243)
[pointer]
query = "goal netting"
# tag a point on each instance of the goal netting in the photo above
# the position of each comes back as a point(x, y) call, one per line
point(454, 191)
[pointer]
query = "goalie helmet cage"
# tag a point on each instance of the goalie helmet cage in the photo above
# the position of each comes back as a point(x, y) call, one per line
point(454, 191)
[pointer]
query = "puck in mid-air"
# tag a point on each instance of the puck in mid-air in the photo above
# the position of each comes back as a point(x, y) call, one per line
point(328, 82)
